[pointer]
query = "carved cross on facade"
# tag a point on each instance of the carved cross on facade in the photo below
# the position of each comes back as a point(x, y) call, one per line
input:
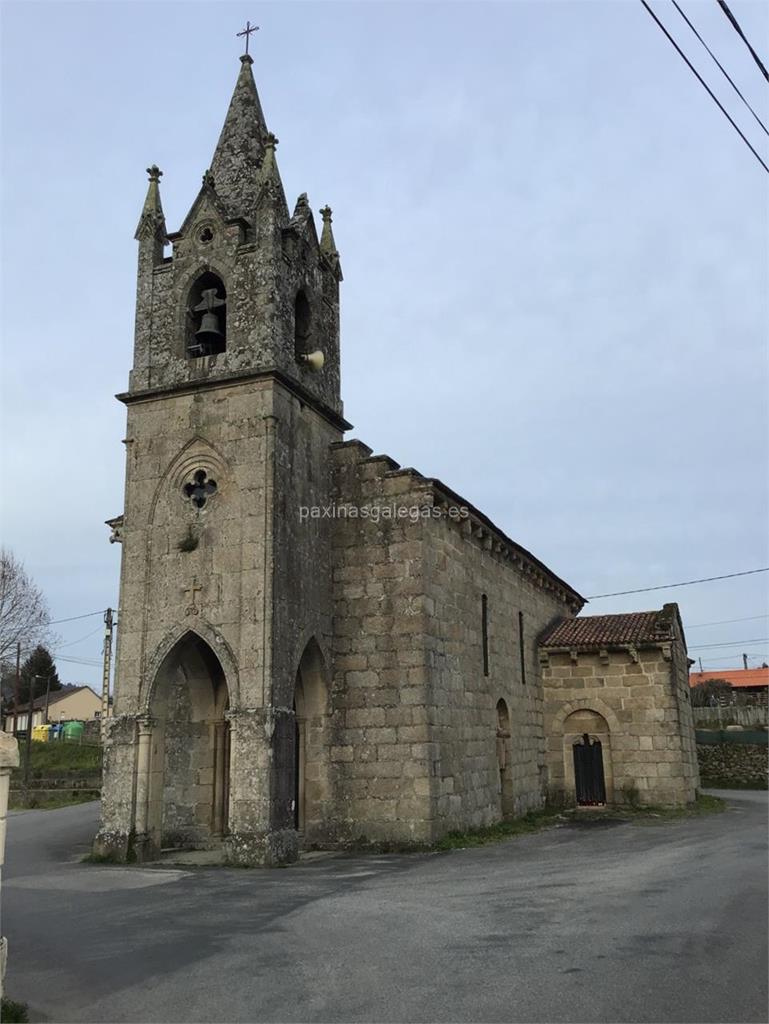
point(247, 32)
point(193, 589)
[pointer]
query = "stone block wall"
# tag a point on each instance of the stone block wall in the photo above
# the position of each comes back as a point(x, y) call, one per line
point(741, 764)
point(466, 564)
point(646, 729)
point(382, 752)
point(417, 743)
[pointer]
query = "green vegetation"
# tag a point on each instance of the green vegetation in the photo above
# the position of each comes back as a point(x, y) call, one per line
point(715, 783)
point(11, 1012)
point(709, 693)
point(60, 774)
point(49, 799)
point(534, 821)
point(59, 757)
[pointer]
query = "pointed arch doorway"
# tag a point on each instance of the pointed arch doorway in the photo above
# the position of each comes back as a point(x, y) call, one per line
point(188, 756)
point(310, 765)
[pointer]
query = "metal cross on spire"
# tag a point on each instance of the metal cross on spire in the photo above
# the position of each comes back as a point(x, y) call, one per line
point(247, 32)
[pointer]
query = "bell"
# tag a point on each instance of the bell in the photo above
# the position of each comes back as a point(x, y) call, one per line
point(208, 333)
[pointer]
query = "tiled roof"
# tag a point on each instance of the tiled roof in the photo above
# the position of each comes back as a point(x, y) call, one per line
point(736, 676)
point(606, 630)
point(54, 697)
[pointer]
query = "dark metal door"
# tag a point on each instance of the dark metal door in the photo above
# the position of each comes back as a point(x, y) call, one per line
point(588, 772)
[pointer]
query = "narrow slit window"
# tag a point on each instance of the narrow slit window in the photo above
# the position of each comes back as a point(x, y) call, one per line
point(521, 648)
point(485, 632)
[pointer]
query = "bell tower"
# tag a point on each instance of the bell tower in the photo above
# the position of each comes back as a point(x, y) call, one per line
point(247, 288)
point(232, 406)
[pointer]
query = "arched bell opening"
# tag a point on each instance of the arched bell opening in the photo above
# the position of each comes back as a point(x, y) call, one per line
point(302, 326)
point(187, 789)
point(504, 758)
point(311, 782)
point(206, 317)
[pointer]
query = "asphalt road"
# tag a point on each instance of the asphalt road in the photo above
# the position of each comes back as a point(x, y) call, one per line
point(664, 922)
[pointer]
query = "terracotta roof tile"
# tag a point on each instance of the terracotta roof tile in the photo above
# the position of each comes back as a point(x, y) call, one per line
point(736, 676)
point(605, 630)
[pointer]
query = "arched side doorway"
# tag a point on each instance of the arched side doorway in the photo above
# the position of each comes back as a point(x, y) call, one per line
point(587, 758)
point(311, 753)
point(504, 758)
point(189, 750)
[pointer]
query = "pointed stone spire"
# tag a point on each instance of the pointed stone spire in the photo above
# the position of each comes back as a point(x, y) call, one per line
point(240, 148)
point(270, 185)
point(152, 223)
point(302, 212)
point(327, 243)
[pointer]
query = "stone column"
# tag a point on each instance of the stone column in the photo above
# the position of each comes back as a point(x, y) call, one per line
point(220, 775)
point(255, 836)
point(9, 758)
point(143, 775)
point(114, 840)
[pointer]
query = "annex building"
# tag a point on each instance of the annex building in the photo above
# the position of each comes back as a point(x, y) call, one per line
point(289, 677)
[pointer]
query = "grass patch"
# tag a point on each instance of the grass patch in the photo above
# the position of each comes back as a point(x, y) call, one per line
point(11, 1011)
point(704, 804)
point(49, 800)
point(715, 783)
point(533, 821)
point(58, 757)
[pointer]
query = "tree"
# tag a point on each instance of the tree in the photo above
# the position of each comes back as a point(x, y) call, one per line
point(707, 693)
point(39, 666)
point(24, 616)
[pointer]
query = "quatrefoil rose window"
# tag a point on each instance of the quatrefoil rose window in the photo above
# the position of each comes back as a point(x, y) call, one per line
point(200, 488)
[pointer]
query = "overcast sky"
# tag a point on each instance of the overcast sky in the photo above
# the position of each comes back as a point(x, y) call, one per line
point(555, 257)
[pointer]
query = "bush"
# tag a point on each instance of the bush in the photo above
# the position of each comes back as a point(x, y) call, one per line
point(12, 1011)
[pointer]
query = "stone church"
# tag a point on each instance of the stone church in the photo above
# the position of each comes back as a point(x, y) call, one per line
point(318, 647)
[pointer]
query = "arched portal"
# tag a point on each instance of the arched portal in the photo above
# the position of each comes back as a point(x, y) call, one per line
point(587, 757)
point(188, 757)
point(311, 743)
point(503, 760)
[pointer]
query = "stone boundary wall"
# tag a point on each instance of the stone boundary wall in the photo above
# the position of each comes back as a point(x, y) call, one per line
point(740, 763)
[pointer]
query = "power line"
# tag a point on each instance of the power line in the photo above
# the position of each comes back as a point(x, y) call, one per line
point(705, 86)
point(77, 661)
point(686, 583)
point(751, 657)
point(723, 70)
point(726, 622)
point(74, 618)
point(71, 643)
point(741, 34)
point(730, 643)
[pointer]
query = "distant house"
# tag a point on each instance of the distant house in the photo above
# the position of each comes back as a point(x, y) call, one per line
point(750, 684)
point(79, 703)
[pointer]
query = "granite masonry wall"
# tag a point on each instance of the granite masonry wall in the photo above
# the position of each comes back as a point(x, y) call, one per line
point(636, 703)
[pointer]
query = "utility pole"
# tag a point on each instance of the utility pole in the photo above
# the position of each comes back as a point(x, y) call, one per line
point(106, 672)
point(29, 730)
point(700, 661)
point(745, 660)
point(18, 686)
point(47, 697)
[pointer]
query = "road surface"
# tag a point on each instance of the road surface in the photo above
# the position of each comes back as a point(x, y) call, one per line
point(663, 922)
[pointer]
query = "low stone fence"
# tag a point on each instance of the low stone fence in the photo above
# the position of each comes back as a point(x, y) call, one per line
point(736, 764)
point(736, 714)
